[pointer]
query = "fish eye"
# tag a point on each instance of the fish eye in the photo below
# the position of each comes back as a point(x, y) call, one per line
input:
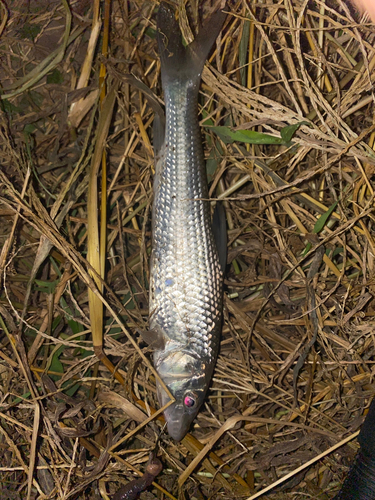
point(190, 400)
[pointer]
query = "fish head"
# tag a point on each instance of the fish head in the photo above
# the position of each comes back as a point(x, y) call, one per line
point(187, 379)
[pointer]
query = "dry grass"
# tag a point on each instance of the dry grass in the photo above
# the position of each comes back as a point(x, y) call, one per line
point(295, 371)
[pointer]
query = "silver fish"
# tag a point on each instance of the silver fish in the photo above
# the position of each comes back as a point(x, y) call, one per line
point(185, 272)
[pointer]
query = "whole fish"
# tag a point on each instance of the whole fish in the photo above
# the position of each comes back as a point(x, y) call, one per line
point(185, 271)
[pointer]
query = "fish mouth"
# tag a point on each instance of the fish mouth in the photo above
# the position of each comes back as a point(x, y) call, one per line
point(177, 422)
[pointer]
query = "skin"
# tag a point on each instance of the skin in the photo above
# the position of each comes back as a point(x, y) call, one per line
point(366, 6)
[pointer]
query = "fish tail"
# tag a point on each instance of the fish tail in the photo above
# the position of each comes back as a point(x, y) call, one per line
point(184, 63)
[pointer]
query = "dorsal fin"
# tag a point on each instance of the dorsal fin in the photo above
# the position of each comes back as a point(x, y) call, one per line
point(219, 228)
point(153, 338)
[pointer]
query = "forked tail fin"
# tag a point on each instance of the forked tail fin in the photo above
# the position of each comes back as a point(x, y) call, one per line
point(179, 62)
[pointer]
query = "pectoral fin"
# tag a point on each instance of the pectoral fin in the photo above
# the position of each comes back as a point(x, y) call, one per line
point(153, 338)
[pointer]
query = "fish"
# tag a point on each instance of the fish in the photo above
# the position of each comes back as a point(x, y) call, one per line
point(186, 276)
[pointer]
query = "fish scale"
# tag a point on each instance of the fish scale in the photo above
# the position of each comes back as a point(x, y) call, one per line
point(185, 273)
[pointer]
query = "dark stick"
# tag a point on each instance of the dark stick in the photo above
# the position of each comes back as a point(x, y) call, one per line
point(133, 489)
